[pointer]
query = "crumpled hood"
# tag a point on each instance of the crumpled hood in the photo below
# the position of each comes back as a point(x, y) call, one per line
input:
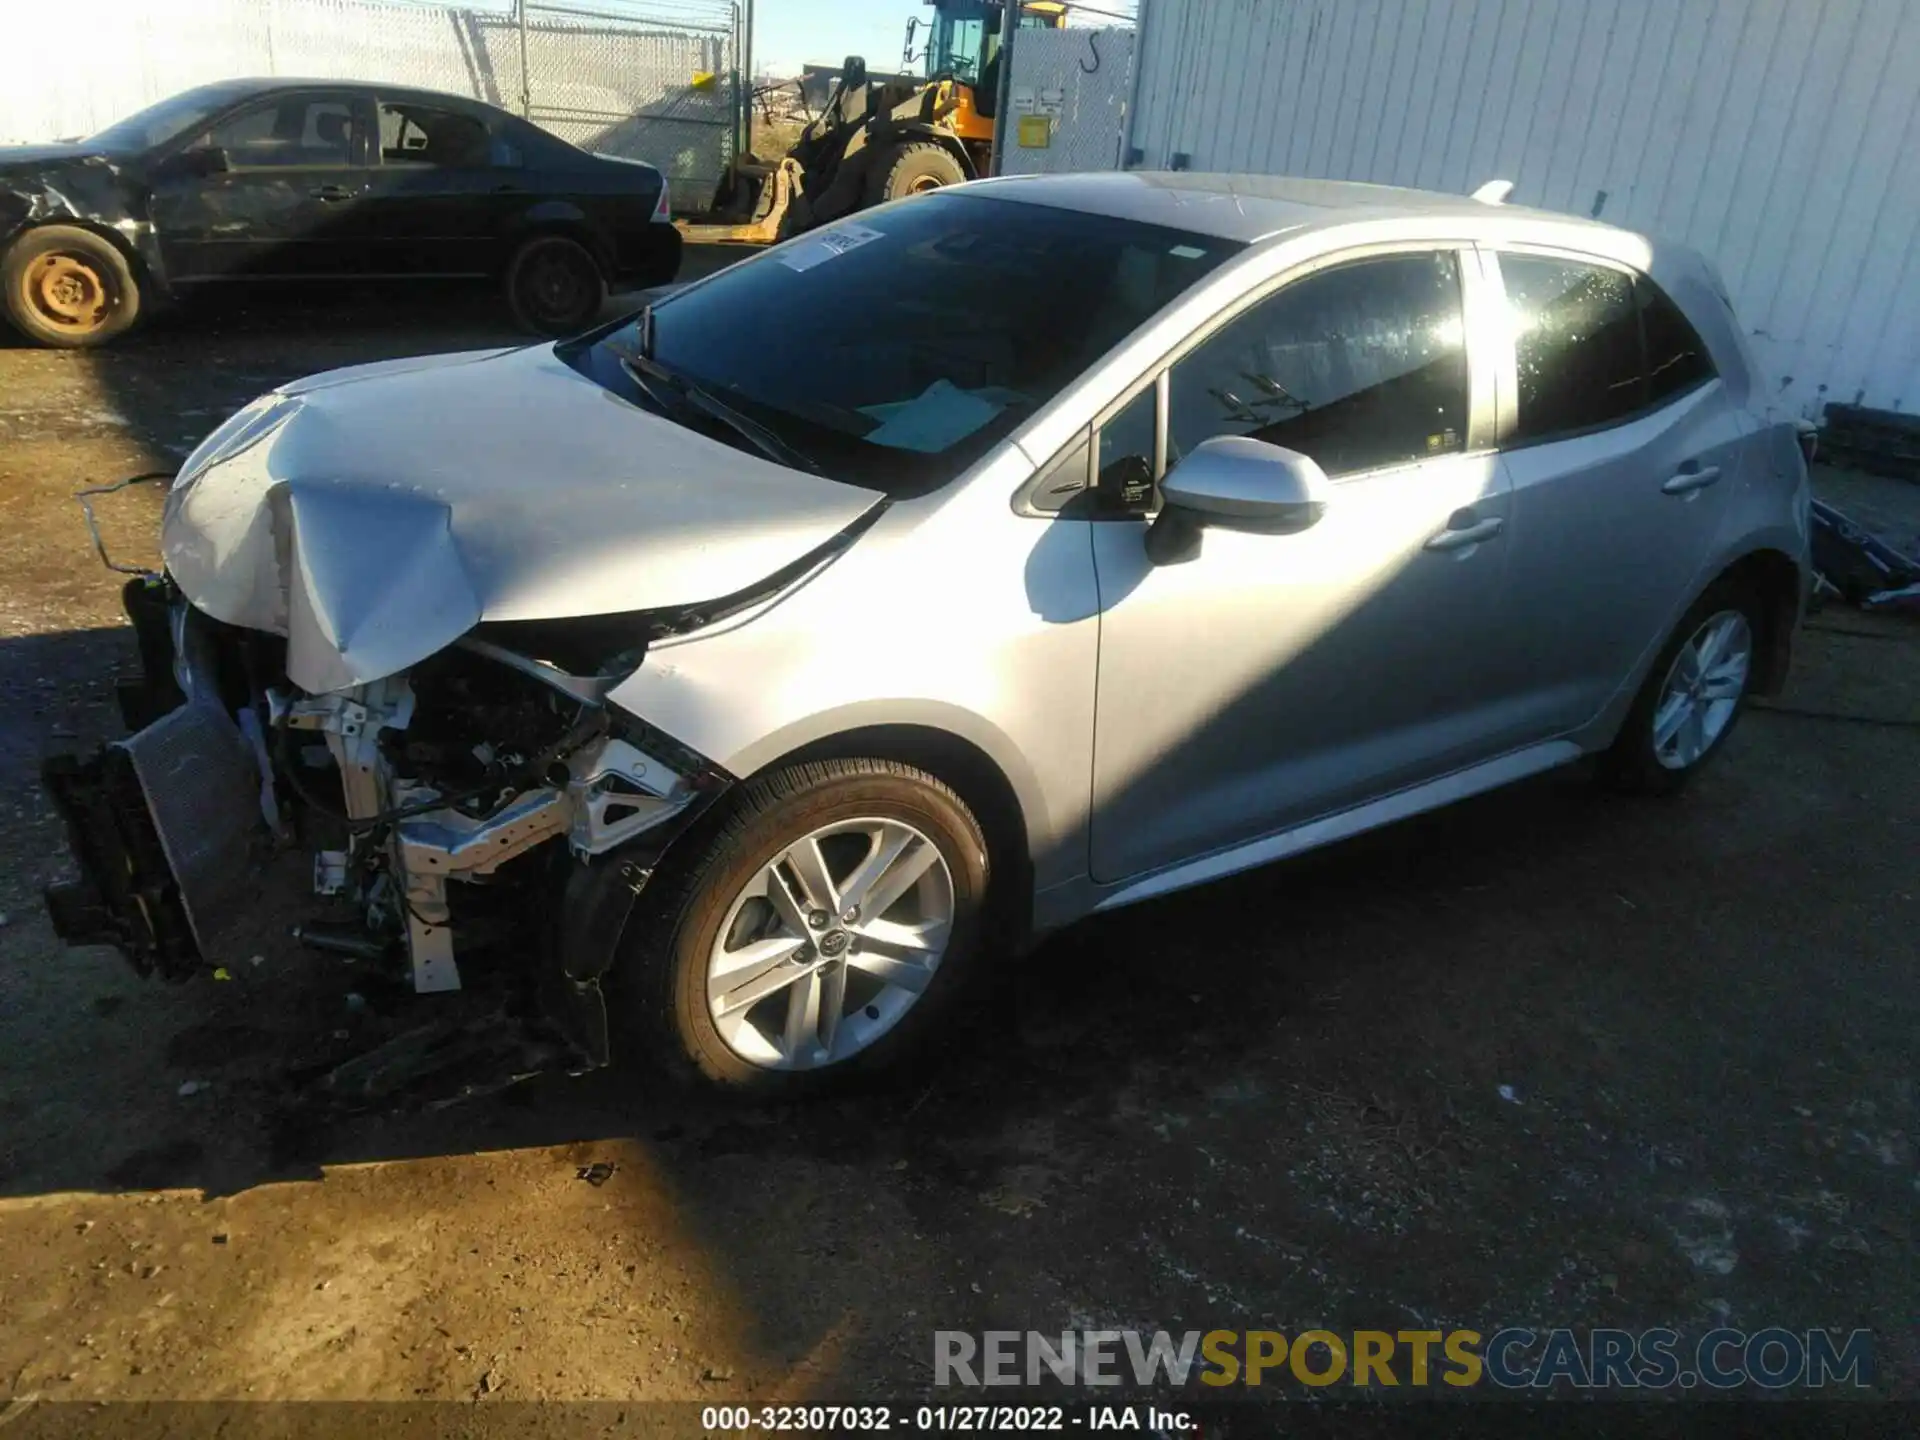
point(374, 515)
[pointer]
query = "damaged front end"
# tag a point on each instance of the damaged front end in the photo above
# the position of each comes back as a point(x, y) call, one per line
point(482, 818)
point(397, 599)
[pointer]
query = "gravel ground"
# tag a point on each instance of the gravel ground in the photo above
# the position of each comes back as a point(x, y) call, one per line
point(1547, 1058)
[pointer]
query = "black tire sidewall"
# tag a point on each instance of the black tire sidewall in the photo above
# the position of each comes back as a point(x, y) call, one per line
point(525, 312)
point(101, 252)
point(1631, 764)
point(909, 161)
point(662, 985)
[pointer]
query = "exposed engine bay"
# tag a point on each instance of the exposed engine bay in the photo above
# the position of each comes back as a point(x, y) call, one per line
point(397, 602)
point(481, 816)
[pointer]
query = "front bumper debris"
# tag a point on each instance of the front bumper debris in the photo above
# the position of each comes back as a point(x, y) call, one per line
point(165, 827)
point(413, 815)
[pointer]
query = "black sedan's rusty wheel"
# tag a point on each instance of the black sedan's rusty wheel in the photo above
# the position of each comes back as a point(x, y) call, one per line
point(555, 286)
point(68, 287)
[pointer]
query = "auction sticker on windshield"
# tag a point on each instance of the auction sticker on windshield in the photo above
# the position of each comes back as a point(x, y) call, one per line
point(822, 248)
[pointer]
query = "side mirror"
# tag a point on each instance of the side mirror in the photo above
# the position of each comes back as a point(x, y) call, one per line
point(1240, 484)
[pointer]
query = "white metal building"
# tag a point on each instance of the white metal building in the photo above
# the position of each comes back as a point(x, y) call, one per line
point(1780, 137)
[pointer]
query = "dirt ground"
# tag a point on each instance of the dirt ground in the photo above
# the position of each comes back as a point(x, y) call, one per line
point(1547, 1058)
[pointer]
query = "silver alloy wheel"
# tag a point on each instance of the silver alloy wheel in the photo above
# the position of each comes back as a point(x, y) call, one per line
point(830, 944)
point(1702, 689)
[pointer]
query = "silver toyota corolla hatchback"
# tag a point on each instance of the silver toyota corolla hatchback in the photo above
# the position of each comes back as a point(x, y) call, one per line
point(737, 678)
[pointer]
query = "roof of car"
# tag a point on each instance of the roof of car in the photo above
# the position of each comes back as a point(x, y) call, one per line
point(1243, 207)
point(265, 84)
point(1278, 209)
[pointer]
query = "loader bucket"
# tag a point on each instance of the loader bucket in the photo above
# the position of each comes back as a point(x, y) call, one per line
point(757, 200)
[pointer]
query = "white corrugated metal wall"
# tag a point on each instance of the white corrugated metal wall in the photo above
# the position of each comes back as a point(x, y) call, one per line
point(1781, 137)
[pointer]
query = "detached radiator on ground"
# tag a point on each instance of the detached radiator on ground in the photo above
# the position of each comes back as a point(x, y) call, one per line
point(164, 826)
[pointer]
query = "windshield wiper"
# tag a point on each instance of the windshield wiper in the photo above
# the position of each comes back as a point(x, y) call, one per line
point(653, 378)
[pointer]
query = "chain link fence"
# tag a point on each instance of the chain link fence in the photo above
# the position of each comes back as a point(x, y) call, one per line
point(657, 85)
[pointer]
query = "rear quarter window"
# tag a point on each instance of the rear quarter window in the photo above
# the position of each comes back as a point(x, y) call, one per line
point(1677, 358)
point(1576, 345)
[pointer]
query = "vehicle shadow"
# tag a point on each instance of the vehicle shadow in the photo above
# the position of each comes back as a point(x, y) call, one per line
point(1370, 1003)
point(117, 1086)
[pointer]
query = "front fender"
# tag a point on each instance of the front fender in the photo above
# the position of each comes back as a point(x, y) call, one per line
point(768, 751)
point(952, 615)
point(92, 194)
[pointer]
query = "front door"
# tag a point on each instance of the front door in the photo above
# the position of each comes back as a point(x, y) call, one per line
point(1622, 457)
point(287, 203)
point(1277, 677)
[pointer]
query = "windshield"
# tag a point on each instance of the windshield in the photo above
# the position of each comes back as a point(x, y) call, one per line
point(164, 120)
point(896, 348)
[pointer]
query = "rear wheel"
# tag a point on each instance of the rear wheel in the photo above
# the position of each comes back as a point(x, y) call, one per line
point(823, 930)
point(1692, 696)
point(912, 169)
point(555, 286)
point(68, 287)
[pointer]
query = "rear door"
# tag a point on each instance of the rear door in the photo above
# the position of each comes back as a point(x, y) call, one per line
point(287, 205)
point(1620, 449)
point(445, 191)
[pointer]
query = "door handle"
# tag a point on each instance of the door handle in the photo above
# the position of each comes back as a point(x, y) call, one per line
point(1463, 530)
point(330, 192)
point(1690, 477)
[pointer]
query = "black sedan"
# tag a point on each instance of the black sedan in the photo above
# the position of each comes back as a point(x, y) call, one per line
point(281, 180)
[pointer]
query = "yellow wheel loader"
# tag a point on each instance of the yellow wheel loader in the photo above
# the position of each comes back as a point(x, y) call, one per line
point(880, 140)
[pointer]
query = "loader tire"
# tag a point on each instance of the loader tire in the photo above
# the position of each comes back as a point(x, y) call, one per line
point(912, 169)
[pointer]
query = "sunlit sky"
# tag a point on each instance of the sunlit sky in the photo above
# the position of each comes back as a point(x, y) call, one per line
point(792, 33)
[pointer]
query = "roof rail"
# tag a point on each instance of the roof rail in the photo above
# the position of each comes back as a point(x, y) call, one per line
point(1494, 192)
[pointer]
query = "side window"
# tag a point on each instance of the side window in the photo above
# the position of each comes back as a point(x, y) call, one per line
point(248, 138)
point(1677, 358)
point(1105, 473)
point(1123, 470)
point(1360, 366)
point(423, 135)
point(293, 131)
point(1576, 340)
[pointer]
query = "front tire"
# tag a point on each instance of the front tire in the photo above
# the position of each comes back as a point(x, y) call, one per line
point(554, 286)
point(68, 288)
point(822, 930)
point(1693, 695)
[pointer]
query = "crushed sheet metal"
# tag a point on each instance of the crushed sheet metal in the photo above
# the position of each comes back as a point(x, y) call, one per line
point(375, 524)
